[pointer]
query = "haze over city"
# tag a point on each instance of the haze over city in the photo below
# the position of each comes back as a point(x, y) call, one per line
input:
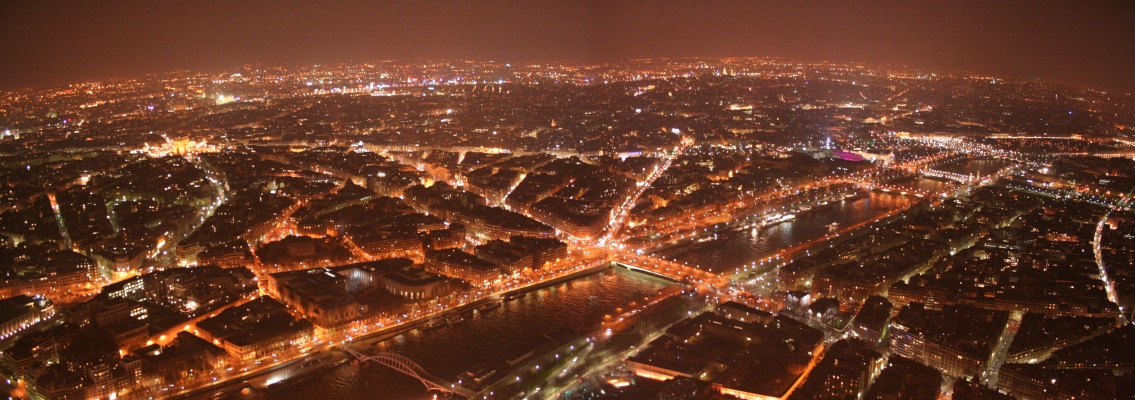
point(567, 200)
point(58, 42)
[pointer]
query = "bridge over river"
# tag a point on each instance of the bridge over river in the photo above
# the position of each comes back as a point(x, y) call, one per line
point(405, 365)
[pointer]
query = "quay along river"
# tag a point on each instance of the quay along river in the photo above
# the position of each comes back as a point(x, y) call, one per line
point(505, 333)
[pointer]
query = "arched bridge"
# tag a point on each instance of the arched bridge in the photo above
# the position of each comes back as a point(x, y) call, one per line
point(407, 366)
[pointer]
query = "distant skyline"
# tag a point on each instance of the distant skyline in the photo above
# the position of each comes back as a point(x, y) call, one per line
point(1088, 44)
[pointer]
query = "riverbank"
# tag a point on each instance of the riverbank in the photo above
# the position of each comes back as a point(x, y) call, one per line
point(551, 372)
point(748, 248)
point(511, 335)
point(237, 383)
point(759, 218)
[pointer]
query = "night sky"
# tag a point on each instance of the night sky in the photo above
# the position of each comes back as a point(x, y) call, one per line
point(1084, 43)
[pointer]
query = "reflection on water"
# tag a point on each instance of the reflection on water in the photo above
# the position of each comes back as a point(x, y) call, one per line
point(926, 185)
point(978, 166)
point(499, 335)
point(747, 246)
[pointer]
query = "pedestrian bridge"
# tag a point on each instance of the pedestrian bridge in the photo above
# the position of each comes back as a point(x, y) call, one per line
point(407, 366)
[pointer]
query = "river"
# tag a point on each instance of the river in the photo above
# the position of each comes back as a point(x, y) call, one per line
point(499, 335)
point(741, 248)
point(975, 166)
point(925, 185)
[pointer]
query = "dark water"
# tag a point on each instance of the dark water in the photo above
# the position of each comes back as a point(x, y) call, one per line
point(978, 166)
point(927, 185)
point(933, 185)
point(499, 335)
point(747, 246)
